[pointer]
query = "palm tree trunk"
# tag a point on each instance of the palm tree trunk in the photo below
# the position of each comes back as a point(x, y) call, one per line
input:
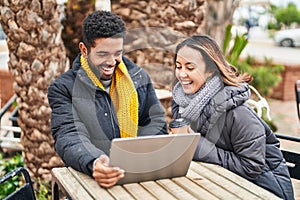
point(219, 14)
point(36, 57)
point(75, 12)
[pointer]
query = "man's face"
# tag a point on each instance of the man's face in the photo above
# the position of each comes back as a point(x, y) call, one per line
point(105, 56)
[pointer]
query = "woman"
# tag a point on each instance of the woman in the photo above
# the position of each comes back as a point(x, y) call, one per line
point(212, 95)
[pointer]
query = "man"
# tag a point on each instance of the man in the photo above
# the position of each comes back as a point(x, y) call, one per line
point(103, 96)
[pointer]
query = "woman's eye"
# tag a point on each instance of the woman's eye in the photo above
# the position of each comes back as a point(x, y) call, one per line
point(177, 67)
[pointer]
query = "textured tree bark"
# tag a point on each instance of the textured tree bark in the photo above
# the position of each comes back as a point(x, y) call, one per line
point(36, 57)
point(75, 12)
point(218, 15)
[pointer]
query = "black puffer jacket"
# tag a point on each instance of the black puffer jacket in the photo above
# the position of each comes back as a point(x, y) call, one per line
point(238, 140)
point(83, 119)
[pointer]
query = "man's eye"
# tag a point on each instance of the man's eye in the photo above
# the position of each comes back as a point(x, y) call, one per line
point(102, 54)
point(118, 53)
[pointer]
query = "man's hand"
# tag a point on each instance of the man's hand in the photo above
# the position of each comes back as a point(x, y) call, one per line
point(104, 175)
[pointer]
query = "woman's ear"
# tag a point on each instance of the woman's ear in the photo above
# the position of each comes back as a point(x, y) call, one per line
point(209, 74)
point(83, 49)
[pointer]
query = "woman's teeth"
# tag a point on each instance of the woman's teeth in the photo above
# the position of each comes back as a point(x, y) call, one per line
point(185, 82)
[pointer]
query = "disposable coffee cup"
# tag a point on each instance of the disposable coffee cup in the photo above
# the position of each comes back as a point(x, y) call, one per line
point(179, 125)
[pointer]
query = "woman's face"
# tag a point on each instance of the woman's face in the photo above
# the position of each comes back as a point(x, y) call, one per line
point(190, 69)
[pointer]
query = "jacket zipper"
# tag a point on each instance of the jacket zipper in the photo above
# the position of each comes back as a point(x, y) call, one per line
point(111, 116)
point(135, 73)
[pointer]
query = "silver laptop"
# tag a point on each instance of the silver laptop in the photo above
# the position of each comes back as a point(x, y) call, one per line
point(150, 158)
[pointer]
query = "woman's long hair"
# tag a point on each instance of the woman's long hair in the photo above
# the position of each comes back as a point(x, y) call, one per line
point(213, 59)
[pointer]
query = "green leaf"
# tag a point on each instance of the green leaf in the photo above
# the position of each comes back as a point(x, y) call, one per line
point(227, 38)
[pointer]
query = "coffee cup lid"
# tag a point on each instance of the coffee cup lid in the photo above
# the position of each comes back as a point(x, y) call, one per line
point(179, 122)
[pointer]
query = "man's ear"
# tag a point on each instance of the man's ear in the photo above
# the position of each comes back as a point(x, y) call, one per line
point(83, 49)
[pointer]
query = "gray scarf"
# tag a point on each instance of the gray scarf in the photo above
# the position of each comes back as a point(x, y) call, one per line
point(192, 105)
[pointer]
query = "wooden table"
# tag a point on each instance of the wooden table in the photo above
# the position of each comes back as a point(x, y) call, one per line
point(203, 181)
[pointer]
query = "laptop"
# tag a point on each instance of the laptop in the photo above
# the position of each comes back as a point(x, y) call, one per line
point(148, 158)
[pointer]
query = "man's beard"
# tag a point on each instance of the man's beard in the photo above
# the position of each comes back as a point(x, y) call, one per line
point(98, 70)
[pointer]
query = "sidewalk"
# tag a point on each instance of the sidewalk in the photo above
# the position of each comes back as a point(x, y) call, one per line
point(284, 115)
point(257, 34)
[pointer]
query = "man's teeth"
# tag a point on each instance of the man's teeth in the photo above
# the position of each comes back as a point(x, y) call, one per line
point(108, 69)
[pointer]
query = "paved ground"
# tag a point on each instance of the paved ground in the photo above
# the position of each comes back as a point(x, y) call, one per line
point(284, 116)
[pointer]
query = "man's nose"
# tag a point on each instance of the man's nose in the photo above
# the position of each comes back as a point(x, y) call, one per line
point(111, 60)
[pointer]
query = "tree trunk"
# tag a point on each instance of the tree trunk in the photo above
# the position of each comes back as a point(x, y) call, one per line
point(218, 15)
point(75, 12)
point(36, 57)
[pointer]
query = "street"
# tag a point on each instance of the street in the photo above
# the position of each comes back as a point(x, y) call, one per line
point(279, 55)
point(261, 46)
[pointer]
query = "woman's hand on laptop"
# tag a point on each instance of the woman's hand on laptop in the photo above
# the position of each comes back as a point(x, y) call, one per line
point(185, 129)
point(105, 175)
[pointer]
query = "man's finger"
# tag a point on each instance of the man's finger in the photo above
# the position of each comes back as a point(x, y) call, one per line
point(104, 160)
point(109, 182)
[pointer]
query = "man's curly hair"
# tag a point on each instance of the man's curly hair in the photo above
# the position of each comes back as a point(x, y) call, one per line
point(102, 24)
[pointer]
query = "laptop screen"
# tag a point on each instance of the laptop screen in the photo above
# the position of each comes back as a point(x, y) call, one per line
point(153, 157)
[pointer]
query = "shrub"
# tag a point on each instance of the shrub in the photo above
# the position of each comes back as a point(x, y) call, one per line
point(266, 75)
point(8, 187)
point(6, 166)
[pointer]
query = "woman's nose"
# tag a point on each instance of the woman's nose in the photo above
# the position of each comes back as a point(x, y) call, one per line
point(183, 74)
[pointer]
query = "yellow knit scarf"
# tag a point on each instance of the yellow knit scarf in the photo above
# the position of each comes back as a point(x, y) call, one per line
point(123, 95)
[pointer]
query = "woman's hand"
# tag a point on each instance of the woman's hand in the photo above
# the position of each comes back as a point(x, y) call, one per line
point(190, 130)
point(184, 129)
point(105, 175)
